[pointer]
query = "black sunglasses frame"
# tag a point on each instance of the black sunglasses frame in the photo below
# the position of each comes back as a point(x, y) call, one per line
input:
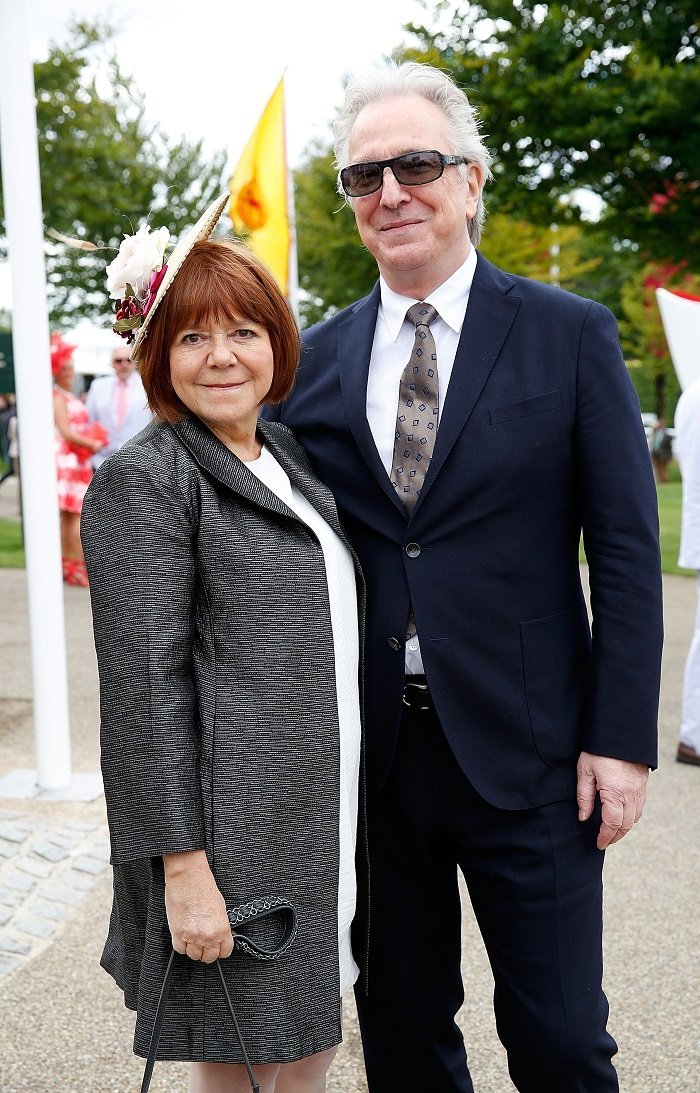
point(382, 164)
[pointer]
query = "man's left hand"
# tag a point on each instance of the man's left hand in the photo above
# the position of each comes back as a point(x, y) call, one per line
point(623, 791)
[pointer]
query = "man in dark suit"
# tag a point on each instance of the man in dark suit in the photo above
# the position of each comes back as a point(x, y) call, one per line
point(468, 446)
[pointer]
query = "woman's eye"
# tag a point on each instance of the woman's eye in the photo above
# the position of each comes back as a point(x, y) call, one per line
point(244, 333)
point(191, 338)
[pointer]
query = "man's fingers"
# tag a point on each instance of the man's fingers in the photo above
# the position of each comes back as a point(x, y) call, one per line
point(618, 816)
point(612, 818)
point(622, 787)
point(585, 793)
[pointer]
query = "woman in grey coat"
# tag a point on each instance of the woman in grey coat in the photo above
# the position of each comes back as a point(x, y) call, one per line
point(226, 627)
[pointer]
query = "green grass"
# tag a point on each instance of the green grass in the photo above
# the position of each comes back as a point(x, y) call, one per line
point(669, 494)
point(11, 545)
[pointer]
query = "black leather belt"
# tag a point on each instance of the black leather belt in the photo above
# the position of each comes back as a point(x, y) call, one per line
point(416, 694)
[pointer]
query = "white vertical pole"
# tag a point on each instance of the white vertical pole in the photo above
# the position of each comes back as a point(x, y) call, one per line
point(30, 336)
point(554, 256)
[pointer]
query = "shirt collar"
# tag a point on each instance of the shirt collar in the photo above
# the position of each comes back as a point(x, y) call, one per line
point(449, 299)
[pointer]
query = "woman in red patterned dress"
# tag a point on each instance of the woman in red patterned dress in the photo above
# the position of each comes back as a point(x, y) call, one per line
point(73, 451)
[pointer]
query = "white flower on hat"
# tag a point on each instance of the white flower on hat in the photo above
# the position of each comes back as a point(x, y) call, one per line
point(139, 257)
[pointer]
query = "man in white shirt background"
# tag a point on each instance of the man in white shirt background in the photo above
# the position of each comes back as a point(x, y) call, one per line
point(687, 426)
point(118, 403)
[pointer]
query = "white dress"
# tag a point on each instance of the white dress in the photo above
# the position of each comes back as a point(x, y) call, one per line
point(340, 575)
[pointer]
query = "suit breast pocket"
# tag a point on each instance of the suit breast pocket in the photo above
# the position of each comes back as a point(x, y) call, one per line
point(556, 653)
point(537, 404)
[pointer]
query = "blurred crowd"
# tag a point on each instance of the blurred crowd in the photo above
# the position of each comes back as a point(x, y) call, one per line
point(91, 422)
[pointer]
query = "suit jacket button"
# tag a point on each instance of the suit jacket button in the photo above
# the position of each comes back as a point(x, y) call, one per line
point(413, 550)
point(395, 644)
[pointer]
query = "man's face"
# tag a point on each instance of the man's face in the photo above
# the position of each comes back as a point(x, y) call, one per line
point(414, 232)
point(122, 364)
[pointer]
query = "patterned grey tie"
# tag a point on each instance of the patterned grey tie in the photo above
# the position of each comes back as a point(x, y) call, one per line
point(417, 415)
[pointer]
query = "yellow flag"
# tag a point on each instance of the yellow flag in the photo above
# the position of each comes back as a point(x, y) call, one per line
point(259, 190)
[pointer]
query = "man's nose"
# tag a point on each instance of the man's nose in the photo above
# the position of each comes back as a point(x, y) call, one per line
point(393, 193)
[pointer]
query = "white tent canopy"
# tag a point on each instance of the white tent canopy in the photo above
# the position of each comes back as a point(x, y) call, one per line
point(94, 346)
point(681, 321)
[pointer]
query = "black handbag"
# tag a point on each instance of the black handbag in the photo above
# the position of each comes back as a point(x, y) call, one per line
point(237, 916)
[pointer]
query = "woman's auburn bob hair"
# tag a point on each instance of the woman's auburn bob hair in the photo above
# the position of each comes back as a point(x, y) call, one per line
point(219, 281)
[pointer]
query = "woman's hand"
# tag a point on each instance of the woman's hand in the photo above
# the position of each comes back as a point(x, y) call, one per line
point(195, 908)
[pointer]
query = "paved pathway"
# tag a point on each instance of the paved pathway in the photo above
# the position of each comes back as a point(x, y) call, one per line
point(45, 870)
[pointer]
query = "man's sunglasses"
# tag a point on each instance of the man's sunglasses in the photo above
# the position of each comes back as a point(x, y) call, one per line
point(411, 169)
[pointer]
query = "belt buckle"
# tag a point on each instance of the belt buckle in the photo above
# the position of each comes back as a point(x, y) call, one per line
point(412, 694)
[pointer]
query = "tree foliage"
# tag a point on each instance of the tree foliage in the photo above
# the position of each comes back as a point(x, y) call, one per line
point(555, 254)
point(643, 335)
point(597, 95)
point(334, 267)
point(105, 168)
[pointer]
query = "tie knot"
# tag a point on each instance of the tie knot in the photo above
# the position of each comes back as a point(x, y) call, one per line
point(421, 314)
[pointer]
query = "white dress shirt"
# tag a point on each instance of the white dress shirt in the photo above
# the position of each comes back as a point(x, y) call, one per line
point(101, 406)
point(391, 349)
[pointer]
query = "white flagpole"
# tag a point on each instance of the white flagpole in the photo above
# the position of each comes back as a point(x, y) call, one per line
point(292, 268)
point(30, 337)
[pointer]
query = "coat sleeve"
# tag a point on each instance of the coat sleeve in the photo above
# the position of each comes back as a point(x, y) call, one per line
point(138, 529)
point(619, 517)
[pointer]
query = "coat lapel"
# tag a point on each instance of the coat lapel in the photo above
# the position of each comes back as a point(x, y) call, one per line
point(355, 338)
point(489, 317)
point(216, 459)
point(292, 459)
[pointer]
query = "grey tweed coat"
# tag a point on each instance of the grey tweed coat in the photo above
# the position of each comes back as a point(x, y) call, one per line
point(219, 729)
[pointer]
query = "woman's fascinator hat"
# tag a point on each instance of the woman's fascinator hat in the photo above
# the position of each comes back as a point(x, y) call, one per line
point(60, 351)
point(140, 275)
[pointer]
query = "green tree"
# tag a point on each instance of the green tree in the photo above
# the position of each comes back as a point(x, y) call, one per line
point(334, 267)
point(105, 168)
point(553, 254)
point(643, 335)
point(600, 95)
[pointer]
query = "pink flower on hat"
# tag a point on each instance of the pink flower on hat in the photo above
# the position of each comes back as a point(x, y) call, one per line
point(153, 289)
point(140, 256)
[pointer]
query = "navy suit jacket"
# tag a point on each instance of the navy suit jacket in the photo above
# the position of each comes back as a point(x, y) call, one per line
point(540, 437)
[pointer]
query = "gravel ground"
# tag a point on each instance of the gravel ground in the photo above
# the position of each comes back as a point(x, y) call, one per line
point(63, 1023)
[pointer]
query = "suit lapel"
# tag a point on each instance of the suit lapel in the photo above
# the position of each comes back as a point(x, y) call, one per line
point(355, 338)
point(487, 322)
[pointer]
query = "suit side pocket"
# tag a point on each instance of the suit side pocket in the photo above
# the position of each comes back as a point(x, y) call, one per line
point(555, 654)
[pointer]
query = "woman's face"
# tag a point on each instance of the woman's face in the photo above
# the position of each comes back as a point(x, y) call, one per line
point(222, 373)
point(65, 375)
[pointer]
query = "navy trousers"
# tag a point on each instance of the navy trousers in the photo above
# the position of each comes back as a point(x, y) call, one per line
point(535, 882)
